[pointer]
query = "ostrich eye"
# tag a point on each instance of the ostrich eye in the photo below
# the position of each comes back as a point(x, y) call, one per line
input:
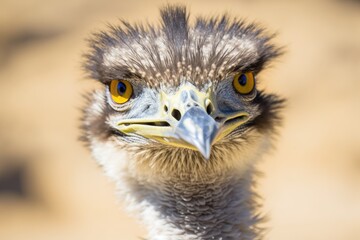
point(121, 91)
point(244, 83)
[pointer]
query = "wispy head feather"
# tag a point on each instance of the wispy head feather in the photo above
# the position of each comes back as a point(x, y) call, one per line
point(204, 51)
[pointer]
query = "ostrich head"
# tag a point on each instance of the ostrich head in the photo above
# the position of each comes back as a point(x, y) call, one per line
point(179, 102)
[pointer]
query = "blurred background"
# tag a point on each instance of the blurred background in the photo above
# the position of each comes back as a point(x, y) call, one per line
point(51, 188)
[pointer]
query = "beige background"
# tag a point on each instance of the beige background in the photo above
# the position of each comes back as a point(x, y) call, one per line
point(311, 186)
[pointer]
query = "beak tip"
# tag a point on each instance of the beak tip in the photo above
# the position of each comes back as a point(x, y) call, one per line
point(206, 156)
point(198, 129)
point(205, 150)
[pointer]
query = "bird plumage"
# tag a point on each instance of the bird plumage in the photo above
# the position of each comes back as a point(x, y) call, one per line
point(208, 50)
point(178, 193)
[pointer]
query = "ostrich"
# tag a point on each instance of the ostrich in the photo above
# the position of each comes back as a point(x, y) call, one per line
point(179, 122)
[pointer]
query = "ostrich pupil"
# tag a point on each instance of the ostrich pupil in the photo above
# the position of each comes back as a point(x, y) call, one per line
point(121, 87)
point(242, 80)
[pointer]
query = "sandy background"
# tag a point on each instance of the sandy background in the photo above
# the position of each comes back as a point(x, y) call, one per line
point(50, 188)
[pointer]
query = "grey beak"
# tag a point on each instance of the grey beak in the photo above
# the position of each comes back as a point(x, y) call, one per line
point(199, 129)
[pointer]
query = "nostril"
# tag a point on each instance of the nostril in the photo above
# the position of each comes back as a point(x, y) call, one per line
point(166, 108)
point(194, 104)
point(176, 114)
point(209, 108)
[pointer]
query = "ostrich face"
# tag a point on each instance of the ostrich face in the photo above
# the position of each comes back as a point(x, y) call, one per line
point(182, 116)
point(181, 92)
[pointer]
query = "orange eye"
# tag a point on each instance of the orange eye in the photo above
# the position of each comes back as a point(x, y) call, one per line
point(121, 91)
point(244, 83)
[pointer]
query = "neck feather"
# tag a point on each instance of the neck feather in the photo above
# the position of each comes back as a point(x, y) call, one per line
point(220, 207)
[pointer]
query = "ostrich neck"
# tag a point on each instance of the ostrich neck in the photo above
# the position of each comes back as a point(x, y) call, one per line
point(222, 207)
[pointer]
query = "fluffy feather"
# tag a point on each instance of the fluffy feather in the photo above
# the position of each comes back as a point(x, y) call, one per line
point(210, 49)
point(174, 190)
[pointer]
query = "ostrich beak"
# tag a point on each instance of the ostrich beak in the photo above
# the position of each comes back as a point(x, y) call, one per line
point(198, 129)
